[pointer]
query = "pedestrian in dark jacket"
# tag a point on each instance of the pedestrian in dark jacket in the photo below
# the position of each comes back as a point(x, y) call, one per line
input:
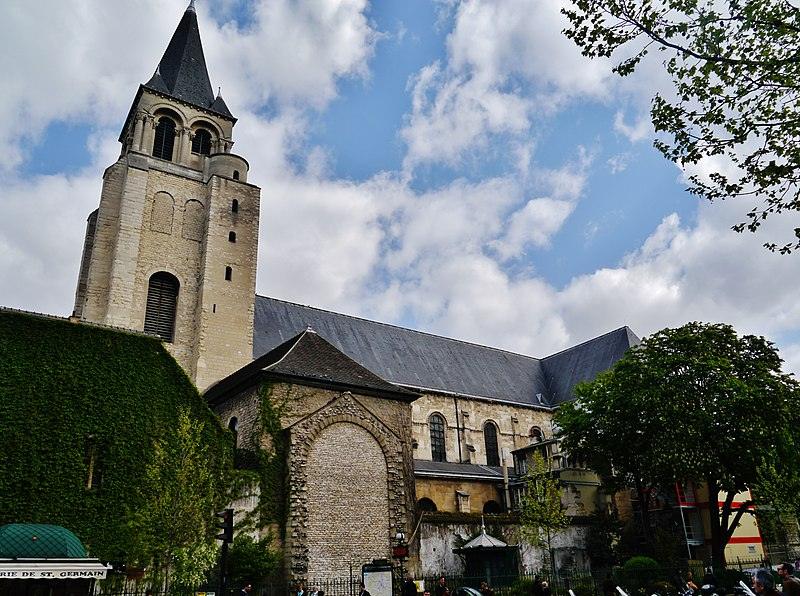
point(791, 585)
point(764, 584)
point(409, 587)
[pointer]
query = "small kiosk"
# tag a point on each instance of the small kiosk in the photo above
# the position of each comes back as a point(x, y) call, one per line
point(45, 560)
point(489, 559)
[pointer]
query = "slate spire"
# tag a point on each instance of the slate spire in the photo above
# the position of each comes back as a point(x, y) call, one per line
point(182, 72)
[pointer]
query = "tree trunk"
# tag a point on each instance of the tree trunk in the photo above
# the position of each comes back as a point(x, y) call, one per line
point(717, 541)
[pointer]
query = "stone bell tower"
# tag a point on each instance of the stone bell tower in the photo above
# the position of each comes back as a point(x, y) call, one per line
point(172, 248)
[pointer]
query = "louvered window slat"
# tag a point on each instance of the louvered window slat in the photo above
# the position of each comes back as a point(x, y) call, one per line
point(162, 303)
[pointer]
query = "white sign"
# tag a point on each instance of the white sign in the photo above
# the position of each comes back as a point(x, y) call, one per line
point(77, 570)
point(378, 583)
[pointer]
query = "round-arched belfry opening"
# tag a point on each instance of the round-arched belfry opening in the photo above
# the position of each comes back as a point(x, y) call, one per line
point(348, 505)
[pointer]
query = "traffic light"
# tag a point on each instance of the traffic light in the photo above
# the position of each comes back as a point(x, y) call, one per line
point(226, 525)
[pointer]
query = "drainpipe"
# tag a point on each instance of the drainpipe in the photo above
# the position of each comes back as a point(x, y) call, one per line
point(506, 491)
point(458, 429)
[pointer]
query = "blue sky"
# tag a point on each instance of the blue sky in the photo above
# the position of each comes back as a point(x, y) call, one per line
point(452, 165)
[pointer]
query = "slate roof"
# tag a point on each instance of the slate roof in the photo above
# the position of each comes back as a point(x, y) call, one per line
point(182, 72)
point(430, 362)
point(585, 361)
point(309, 359)
point(428, 468)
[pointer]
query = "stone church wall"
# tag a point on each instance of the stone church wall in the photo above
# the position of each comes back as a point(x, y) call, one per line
point(437, 541)
point(514, 424)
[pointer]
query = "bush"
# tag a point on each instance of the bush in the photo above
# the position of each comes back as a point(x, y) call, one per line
point(640, 574)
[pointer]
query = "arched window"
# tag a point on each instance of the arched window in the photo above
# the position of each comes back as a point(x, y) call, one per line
point(436, 423)
point(490, 441)
point(233, 426)
point(425, 504)
point(165, 138)
point(492, 507)
point(201, 142)
point(236, 174)
point(231, 236)
point(235, 206)
point(536, 434)
point(228, 273)
point(162, 304)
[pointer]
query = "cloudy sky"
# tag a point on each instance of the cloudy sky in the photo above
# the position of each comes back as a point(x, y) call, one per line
point(450, 165)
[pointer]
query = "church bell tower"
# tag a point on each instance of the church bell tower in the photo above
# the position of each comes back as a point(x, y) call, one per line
point(172, 248)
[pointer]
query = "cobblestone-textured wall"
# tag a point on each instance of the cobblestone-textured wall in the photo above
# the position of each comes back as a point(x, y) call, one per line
point(348, 521)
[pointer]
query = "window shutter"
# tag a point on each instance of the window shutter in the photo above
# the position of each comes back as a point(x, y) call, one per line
point(162, 304)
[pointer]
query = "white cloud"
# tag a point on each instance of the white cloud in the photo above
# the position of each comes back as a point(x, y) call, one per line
point(640, 130)
point(443, 258)
point(507, 62)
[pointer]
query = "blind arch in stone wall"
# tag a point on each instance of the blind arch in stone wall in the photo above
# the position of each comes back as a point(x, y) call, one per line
point(162, 213)
point(194, 220)
point(348, 521)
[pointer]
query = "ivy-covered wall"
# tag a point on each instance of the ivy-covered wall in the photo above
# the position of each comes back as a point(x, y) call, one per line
point(73, 396)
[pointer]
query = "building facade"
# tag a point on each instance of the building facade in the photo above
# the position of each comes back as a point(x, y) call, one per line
point(370, 429)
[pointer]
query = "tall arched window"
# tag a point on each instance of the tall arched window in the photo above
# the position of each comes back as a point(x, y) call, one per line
point(233, 426)
point(536, 434)
point(165, 138)
point(201, 143)
point(436, 423)
point(490, 440)
point(162, 305)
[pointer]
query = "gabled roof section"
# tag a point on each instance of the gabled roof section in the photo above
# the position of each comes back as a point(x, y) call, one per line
point(406, 357)
point(309, 359)
point(446, 469)
point(182, 72)
point(585, 361)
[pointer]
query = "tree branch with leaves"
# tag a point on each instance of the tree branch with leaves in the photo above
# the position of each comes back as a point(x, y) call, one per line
point(735, 67)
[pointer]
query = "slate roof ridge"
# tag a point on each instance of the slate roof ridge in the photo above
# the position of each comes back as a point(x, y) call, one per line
point(394, 326)
point(591, 340)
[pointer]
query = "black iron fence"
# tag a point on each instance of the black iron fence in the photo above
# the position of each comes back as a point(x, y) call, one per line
point(662, 580)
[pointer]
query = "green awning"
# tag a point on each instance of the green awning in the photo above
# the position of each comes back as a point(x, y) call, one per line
point(39, 541)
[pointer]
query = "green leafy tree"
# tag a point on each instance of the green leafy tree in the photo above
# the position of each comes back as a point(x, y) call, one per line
point(253, 561)
point(736, 71)
point(175, 526)
point(542, 514)
point(698, 403)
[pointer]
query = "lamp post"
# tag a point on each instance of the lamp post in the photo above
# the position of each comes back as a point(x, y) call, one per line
point(400, 552)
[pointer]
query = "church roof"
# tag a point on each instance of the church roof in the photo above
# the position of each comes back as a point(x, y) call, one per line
point(309, 359)
point(446, 469)
point(424, 361)
point(182, 72)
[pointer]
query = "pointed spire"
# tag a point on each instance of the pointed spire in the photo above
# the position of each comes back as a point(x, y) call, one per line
point(182, 72)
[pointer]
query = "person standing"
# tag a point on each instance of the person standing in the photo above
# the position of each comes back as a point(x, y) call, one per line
point(536, 588)
point(441, 588)
point(764, 584)
point(409, 587)
point(791, 585)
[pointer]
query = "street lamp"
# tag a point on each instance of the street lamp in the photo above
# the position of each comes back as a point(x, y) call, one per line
point(400, 552)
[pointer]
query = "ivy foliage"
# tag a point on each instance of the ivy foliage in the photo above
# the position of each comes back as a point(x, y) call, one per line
point(271, 446)
point(735, 107)
point(77, 397)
